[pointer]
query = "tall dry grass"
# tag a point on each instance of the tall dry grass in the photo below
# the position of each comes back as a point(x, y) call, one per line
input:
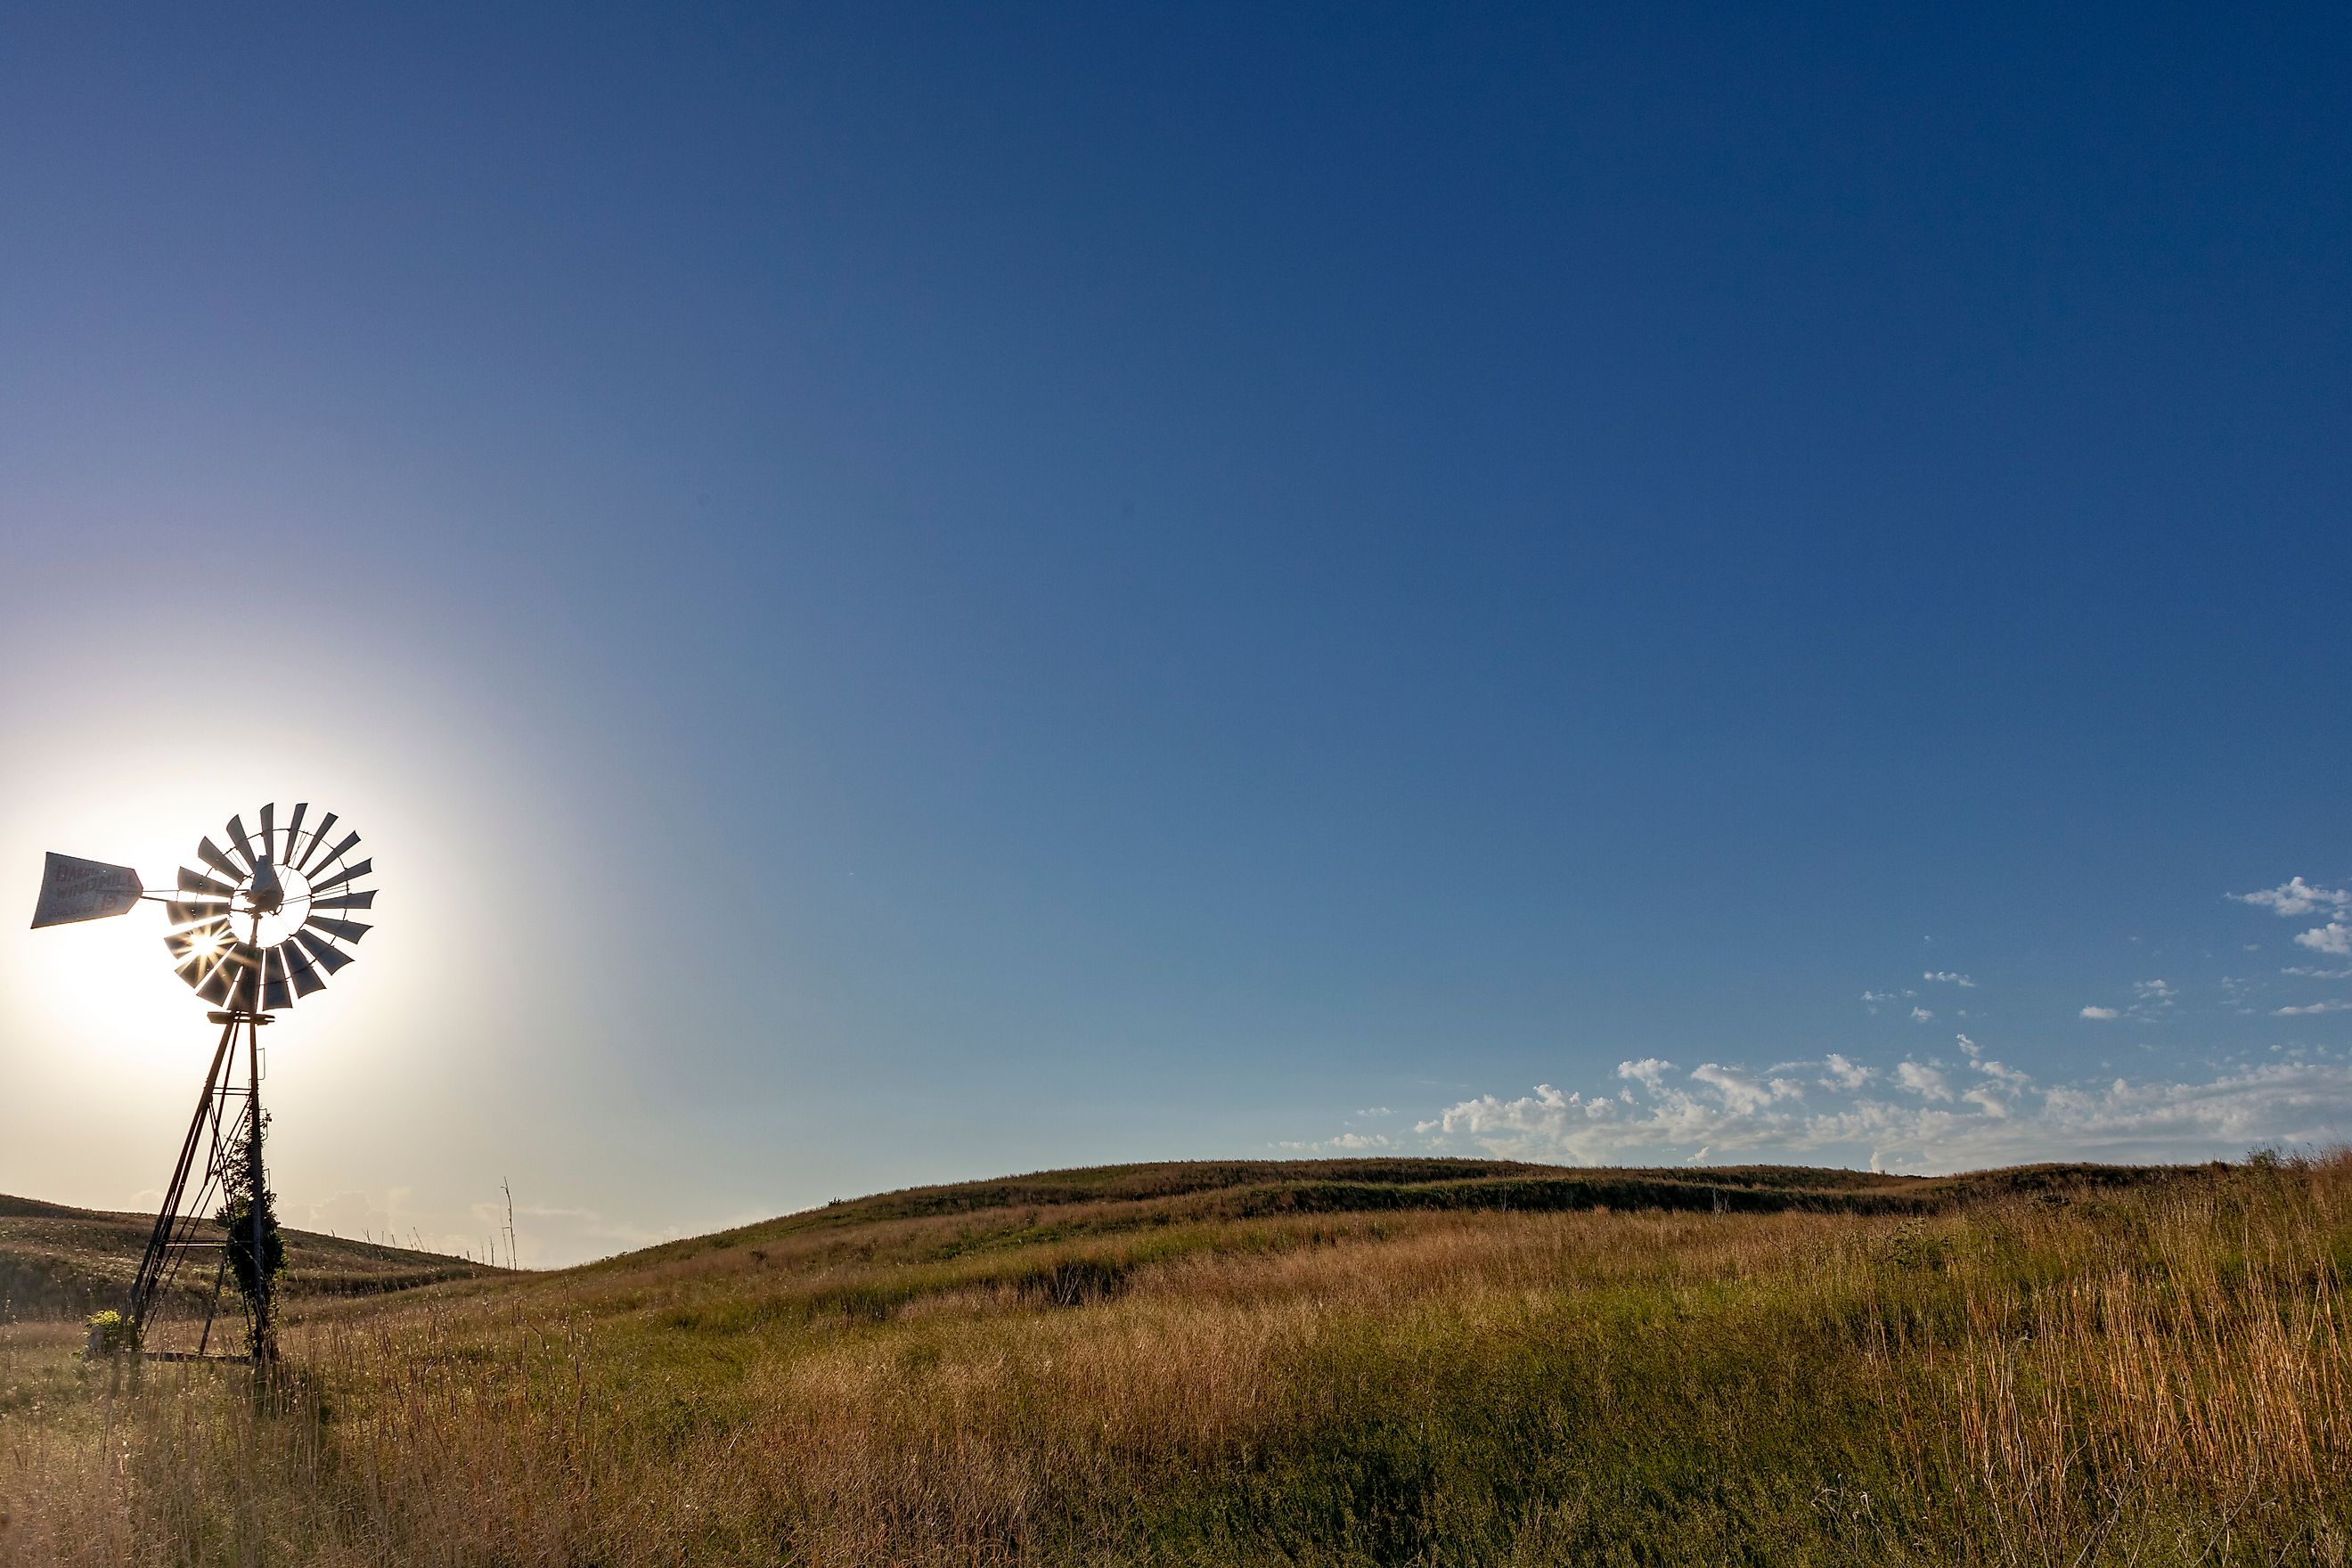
point(2155, 1376)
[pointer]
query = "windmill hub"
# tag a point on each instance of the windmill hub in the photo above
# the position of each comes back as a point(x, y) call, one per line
point(282, 906)
point(266, 893)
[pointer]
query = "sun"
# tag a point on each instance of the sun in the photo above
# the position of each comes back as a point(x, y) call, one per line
point(107, 987)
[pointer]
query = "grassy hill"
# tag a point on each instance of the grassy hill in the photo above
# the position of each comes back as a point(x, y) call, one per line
point(1325, 1362)
point(56, 1261)
point(1125, 1196)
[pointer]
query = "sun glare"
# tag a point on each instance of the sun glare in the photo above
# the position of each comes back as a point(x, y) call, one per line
point(105, 988)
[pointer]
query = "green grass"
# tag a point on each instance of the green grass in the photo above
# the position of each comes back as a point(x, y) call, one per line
point(1328, 1362)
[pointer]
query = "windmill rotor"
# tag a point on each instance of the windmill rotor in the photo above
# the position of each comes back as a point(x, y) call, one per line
point(270, 920)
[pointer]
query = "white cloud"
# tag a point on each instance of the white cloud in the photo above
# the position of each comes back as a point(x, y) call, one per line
point(2151, 999)
point(1346, 1142)
point(1648, 1071)
point(1874, 997)
point(1924, 1082)
point(2320, 974)
point(2334, 938)
point(1741, 1091)
point(1376, 1110)
point(1844, 1074)
point(1920, 1015)
point(2002, 1120)
point(2002, 1089)
point(1550, 1124)
point(1948, 978)
point(2330, 1007)
point(2297, 897)
point(1967, 1046)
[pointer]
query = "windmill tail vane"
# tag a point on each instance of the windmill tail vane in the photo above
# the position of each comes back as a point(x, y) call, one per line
point(74, 890)
point(261, 926)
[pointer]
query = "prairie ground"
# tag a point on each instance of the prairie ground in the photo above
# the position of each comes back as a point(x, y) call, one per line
point(56, 1261)
point(1349, 1364)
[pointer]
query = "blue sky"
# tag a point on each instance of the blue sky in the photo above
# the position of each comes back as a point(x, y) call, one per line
point(908, 597)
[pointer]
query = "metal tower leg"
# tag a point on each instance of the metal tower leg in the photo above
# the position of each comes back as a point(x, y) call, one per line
point(154, 1262)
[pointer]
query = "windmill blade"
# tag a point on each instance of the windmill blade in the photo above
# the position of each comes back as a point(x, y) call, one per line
point(337, 853)
point(346, 901)
point(346, 931)
point(203, 951)
point(298, 969)
point(197, 882)
point(268, 831)
point(214, 985)
point(239, 843)
point(294, 830)
point(235, 982)
point(195, 909)
point(209, 852)
point(340, 878)
point(74, 890)
point(318, 835)
point(198, 942)
point(274, 997)
point(331, 957)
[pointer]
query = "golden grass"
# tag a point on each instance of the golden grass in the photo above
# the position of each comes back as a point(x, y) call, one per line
point(2152, 1375)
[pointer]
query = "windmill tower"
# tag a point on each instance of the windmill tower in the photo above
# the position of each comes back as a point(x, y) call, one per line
point(263, 925)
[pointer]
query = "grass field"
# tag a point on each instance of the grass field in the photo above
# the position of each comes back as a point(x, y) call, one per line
point(1325, 1363)
point(56, 1261)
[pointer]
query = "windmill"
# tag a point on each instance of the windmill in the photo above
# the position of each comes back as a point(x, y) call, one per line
point(264, 924)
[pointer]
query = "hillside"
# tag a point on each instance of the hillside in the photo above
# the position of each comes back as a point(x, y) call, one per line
point(56, 1261)
point(1113, 1197)
point(1328, 1362)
